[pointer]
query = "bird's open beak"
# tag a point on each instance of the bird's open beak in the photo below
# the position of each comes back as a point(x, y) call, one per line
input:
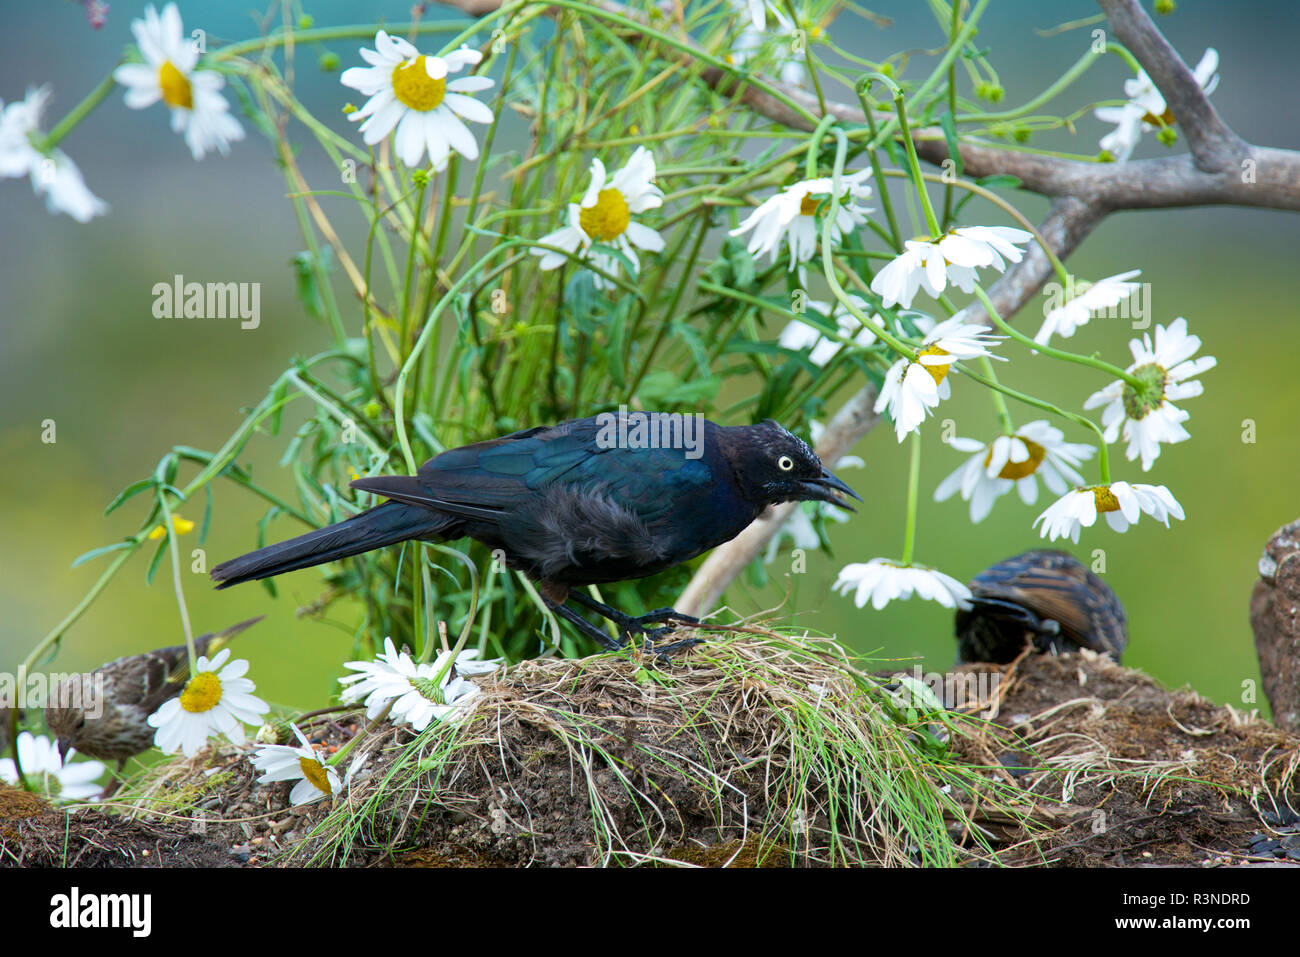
point(827, 488)
point(65, 745)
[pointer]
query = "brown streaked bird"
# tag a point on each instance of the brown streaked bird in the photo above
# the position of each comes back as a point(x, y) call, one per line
point(1044, 597)
point(115, 726)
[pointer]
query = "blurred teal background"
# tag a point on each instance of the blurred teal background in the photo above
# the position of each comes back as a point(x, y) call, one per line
point(79, 344)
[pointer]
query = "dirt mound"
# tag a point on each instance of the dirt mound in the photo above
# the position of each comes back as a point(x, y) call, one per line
point(754, 750)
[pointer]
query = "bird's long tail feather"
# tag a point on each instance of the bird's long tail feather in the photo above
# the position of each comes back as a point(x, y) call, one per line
point(387, 524)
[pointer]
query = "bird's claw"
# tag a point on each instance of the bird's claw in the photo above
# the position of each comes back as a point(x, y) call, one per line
point(664, 652)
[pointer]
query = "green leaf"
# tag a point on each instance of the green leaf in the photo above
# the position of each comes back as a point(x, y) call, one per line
point(104, 550)
point(135, 488)
point(157, 558)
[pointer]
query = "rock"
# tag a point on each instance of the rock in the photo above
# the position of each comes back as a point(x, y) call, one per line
point(1275, 618)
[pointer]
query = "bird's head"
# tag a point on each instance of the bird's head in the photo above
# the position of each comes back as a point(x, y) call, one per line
point(65, 724)
point(774, 466)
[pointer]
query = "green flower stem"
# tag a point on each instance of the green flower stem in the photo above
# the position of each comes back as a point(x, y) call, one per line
point(1024, 340)
point(324, 34)
point(808, 57)
point(337, 413)
point(426, 334)
point(77, 114)
point(426, 653)
point(176, 578)
point(828, 265)
point(999, 403)
point(1080, 67)
point(952, 108)
point(422, 184)
point(682, 46)
point(873, 155)
point(914, 164)
point(941, 68)
point(913, 493)
point(1103, 456)
point(360, 735)
point(814, 145)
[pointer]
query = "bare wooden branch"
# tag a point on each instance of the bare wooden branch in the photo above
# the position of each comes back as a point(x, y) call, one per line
point(1215, 147)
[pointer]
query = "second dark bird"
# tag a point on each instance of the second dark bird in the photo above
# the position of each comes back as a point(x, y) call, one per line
point(1043, 596)
point(569, 508)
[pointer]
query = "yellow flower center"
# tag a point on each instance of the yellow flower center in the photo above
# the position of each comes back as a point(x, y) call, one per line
point(314, 772)
point(808, 205)
point(415, 88)
point(202, 693)
point(1164, 119)
point(175, 85)
point(1105, 499)
point(606, 220)
point(1018, 470)
point(938, 372)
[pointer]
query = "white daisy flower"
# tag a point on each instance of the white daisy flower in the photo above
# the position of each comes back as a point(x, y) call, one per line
point(1121, 503)
point(758, 11)
point(194, 96)
point(794, 70)
point(604, 217)
point(217, 700)
point(912, 389)
point(1151, 419)
point(410, 92)
point(416, 699)
point(54, 176)
point(1146, 107)
point(279, 762)
point(45, 770)
point(1014, 461)
point(955, 257)
point(883, 581)
point(1088, 298)
point(790, 216)
point(798, 335)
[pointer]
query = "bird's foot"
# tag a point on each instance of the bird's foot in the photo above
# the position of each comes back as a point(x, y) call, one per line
point(670, 616)
point(650, 645)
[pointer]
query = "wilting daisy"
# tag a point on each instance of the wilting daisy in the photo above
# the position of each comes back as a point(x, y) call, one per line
point(1088, 298)
point(217, 700)
point(1121, 503)
point(279, 762)
point(605, 217)
point(1146, 108)
point(882, 581)
point(790, 216)
point(410, 92)
point(416, 697)
point(194, 96)
point(799, 335)
point(53, 175)
point(1149, 419)
point(45, 770)
point(955, 257)
point(1014, 461)
point(912, 389)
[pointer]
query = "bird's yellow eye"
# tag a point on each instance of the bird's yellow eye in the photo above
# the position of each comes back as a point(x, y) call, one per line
point(785, 463)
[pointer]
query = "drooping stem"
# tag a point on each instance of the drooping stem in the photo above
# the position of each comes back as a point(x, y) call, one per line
point(913, 496)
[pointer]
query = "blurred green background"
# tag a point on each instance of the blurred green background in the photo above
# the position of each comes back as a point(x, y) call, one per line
point(79, 344)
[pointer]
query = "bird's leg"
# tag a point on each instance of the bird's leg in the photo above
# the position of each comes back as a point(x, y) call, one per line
point(111, 787)
point(629, 624)
point(584, 626)
point(632, 623)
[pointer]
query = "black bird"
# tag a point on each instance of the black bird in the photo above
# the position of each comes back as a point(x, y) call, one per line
point(584, 502)
point(1044, 596)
